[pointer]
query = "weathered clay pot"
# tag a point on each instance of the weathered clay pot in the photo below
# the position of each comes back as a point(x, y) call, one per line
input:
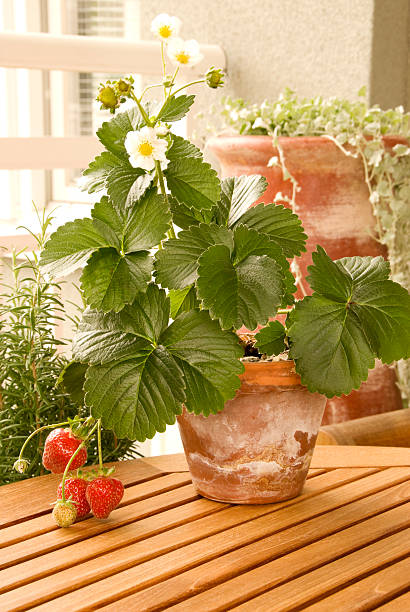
point(334, 207)
point(258, 449)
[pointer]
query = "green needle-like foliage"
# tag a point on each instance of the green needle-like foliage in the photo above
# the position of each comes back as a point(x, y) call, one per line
point(30, 365)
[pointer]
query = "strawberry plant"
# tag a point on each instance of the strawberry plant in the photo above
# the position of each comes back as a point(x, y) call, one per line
point(174, 262)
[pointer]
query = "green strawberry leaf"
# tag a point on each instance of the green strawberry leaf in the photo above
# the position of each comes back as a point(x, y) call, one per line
point(271, 339)
point(126, 185)
point(72, 380)
point(250, 242)
point(70, 247)
point(176, 264)
point(181, 148)
point(101, 338)
point(147, 222)
point(175, 108)
point(209, 359)
point(331, 352)
point(365, 269)
point(138, 396)
point(112, 133)
point(182, 300)
point(329, 279)
point(110, 280)
point(98, 170)
point(383, 308)
point(193, 182)
point(184, 216)
point(355, 315)
point(238, 193)
point(245, 292)
point(281, 225)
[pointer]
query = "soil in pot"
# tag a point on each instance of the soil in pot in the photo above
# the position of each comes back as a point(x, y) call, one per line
point(258, 449)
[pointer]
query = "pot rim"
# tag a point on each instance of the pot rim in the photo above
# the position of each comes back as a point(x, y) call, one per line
point(271, 373)
point(216, 141)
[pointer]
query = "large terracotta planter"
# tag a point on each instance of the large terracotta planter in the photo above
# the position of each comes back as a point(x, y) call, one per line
point(334, 207)
point(258, 449)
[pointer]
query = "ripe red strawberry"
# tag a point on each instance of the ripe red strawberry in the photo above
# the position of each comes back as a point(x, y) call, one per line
point(75, 489)
point(104, 494)
point(58, 449)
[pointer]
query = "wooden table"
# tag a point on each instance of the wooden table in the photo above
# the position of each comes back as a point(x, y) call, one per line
point(342, 545)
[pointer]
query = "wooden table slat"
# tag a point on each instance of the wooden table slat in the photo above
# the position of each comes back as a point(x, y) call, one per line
point(345, 539)
point(286, 565)
point(371, 591)
point(317, 583)
point(343, 544)
point(398, 604)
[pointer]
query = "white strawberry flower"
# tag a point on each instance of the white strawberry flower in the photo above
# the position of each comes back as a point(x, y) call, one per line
point(165, 27)
point(145, 148)
point(184, 52)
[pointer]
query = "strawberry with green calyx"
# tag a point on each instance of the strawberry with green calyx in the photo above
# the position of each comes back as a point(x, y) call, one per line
point(59, 448)
point(75, 489)
point(64, 513)
point(22, 464)
point(104, 494)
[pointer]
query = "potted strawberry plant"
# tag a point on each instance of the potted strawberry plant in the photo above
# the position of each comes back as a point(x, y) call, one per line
point(159, 339)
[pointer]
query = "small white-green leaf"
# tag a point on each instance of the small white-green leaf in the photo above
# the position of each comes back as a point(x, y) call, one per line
point(182, 148)
point(126, 184)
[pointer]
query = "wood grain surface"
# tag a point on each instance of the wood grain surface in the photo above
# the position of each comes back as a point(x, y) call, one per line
point(344, 544)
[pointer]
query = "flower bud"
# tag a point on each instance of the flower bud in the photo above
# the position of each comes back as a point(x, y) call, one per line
point(123, 87)
point(21, 465)
point(108, 98)
point(215, 78)
point(167, 81)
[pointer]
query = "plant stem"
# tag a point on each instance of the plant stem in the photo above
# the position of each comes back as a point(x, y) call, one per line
point(67, 468)
point(142, 110)
point(100, 458)
point(171, 232)
point(189, 85)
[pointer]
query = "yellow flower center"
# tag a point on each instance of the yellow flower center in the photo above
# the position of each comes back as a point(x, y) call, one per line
point(182, 58)
point(165, 31)
point(145, 148)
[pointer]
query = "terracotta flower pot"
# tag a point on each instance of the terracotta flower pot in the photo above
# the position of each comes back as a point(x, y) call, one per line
point(258, 449)
point(334, 207)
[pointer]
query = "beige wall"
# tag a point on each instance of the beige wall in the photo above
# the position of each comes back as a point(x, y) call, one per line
point(328, 47)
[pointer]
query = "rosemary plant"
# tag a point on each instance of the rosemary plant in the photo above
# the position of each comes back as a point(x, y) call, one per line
point(30, 366)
